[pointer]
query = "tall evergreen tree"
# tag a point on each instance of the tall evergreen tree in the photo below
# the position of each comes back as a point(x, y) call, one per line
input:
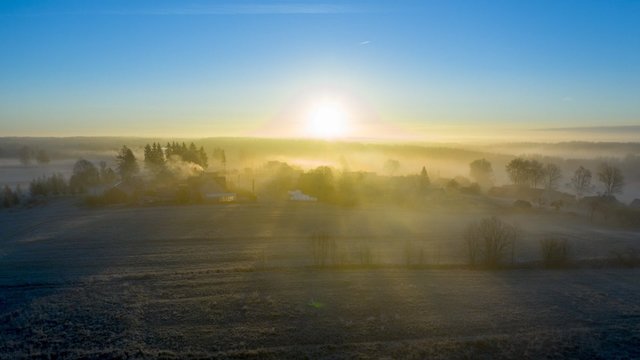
point(148, 156)
point(220, 157)
point(126, 163)
point(424, 178)
point(202, 155)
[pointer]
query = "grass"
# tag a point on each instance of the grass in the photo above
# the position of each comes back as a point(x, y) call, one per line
point(233, 282)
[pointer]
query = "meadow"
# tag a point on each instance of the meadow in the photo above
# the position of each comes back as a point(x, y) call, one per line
point(239, 281)
point(305, 179)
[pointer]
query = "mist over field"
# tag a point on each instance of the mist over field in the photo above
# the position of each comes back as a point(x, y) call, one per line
point(271, 248)
point(446, 160)
point(354, 179)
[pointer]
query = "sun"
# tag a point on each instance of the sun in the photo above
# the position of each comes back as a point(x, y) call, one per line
point(327, 120)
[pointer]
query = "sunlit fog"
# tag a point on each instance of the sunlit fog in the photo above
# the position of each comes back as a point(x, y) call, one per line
point(416, 179)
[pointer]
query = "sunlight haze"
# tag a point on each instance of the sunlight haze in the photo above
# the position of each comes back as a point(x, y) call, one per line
point(215, 68)
point(319, 179)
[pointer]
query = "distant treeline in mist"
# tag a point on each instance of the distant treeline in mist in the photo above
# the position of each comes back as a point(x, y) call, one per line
point(440, 160)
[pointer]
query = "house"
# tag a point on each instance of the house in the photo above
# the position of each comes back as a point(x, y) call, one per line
point(213, 191)
point(98, 190)
point(539, 196)
point(298, 195)
point(120, 192)
point(210, 187)
point(126, 188)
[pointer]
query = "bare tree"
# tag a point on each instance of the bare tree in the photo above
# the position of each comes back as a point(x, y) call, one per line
point(323, 249)
point(220, 156)
point(555, 251)
point(391, 166)
point(490, 241)
point(535, 172)
point(525, 172)
point(552, 175)
point(581, 181)
point(611, 178)
point(517, 171)
point(481, 171)
point(42, 157)
point(85, 174)
point(107, 175)
point(25, 154)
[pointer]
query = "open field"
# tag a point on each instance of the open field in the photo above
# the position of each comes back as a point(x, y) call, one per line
point(319, 179)
point(14, 174)
point(237, 281)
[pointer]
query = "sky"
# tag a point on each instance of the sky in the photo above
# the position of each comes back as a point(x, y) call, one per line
point(235, 68)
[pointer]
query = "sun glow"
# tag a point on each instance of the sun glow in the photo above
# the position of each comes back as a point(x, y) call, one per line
point(327, 120)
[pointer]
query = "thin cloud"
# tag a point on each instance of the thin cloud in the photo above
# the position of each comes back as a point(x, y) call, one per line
point(366, 42)
point(268, 9)
point(597, 129)
point(223, 9)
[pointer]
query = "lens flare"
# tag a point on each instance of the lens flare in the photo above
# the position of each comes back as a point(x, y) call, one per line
point(327, 120)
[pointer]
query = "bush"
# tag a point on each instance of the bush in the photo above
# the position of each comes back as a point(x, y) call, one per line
point(627, 216)
point(555, 252)
point(115, 196)
point(473, 189)
point(323, 249)
point(489, 241)
point(10, 197)
point(522, 204)
point(365, 255)
point(627, 258)
point(183, 195)
point(557, 204)
point(52, 185)
point(413, 255)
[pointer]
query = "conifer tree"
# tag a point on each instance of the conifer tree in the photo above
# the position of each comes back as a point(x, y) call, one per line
point(126, 163)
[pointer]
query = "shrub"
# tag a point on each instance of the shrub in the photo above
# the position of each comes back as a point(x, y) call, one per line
point(94, 201)
point(323, 248)
point(627, 216)
point(10, 197)
point(52, 185)
point(627, 258)
point(473, 189)
point(413, 255)
point(522, 204)
point(115, 196)
point(489, 241)
point(555, 252)
point(557, 204)
point(364, 254)
point(183, 195)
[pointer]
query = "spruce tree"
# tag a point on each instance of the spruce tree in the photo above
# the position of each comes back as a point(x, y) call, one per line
point(126, 163)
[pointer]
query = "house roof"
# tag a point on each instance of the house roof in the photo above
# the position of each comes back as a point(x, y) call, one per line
point(212, 187)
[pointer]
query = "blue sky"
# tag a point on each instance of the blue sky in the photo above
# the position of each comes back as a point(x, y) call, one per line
point(214, 68)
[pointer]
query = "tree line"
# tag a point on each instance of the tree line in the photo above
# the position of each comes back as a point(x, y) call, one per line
point(27, 155)
point(323, 182)
point(86, 174)
point(155, 157)
point(532, 173)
